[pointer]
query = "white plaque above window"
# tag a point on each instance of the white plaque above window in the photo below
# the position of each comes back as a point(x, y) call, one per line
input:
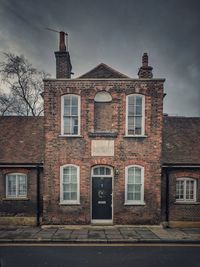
point(103, 97)
point(102, 148)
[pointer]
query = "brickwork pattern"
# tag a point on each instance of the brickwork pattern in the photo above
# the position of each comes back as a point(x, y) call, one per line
point(145, 151)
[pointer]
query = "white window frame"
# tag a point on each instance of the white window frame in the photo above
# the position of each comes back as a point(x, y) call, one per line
point(17, 185)
point(143, 116)
point(62, 115)
point(134, 202)
point(70, 202)
point(185, 179)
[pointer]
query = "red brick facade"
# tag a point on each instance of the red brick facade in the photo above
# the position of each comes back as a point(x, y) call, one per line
point(144, 151)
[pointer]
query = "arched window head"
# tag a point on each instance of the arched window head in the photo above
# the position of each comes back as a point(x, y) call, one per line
point(103, 97)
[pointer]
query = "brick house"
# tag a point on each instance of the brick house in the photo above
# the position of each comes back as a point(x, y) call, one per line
point(103, 153)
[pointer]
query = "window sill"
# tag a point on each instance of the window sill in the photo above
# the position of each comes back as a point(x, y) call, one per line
point(15, 199)
point(135, 136)
point(102, 134)
point(135, 204)
point(186, 203)
point(70, 136)
point(69, 204)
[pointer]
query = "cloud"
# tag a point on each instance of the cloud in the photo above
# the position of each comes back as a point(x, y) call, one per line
point(117, 33)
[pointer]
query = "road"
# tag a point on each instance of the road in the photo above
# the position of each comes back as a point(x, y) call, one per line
point(100, 256)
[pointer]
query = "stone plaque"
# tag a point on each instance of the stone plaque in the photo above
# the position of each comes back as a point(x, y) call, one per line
point(102, 148)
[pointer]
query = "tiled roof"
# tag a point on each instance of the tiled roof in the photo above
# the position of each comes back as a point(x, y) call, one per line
point(181, 140)
point(21, 139)
point(103, 71)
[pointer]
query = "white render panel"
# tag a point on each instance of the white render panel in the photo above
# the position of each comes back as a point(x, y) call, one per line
point(102, 148)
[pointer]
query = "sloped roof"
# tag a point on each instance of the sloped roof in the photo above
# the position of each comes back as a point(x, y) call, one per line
point(103, 71)
point(21, 139)
point(181, 140)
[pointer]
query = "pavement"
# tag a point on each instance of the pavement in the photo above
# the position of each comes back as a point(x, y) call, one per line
point(98, 234)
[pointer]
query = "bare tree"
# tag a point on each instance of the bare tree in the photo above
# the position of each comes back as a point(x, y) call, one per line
point(24, 85)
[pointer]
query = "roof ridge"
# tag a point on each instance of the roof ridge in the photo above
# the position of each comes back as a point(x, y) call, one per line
point(107, 67)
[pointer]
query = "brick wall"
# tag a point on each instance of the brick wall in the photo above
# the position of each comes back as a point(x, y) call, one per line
point(16, 207)
point(180, 211)
point(145, 151)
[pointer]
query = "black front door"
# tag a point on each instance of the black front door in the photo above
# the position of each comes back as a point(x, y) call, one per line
point(101, 198)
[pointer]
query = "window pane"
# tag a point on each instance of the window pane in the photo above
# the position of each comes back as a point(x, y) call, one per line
point(130, 196)
point(67, 127)
point(11, 185)
point(21, 185)
point(67, 111)
point(74, 111)
point(136, 188)
point(139, 100)
point(131, 100)
point(138, 110)
point(73, 196)
point(73, 187)
point(108, 171)
point(102, 170)
point(131, 110)
point(136, 196)
point(66, 196)
point(67, 100)
point(73, 170)
point(96, 171)
point(130, 188)
point(74, 100)
point(66, 187)
point(131, 122)
point(74, 179)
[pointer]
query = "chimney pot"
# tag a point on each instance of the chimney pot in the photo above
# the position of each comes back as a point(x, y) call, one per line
point(62, 46)
point(145, 60)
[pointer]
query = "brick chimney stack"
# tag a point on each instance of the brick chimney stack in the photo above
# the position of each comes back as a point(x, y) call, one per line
point(145, 72)
point(63, 62)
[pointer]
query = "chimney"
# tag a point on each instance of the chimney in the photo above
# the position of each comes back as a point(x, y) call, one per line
point(145, 72)
point(63, 62)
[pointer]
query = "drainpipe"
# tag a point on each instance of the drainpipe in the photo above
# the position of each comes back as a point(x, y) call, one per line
point(167, 198)
point(38, 196)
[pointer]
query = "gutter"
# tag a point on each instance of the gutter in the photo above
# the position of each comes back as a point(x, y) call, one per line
point(21, 165)
point(38, 197)
point(167, 198)
point(177, 165)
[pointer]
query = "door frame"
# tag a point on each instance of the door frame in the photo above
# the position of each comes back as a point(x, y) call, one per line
point(101, 221)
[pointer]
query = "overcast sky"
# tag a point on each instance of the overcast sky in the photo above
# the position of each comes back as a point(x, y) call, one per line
point(114, 32)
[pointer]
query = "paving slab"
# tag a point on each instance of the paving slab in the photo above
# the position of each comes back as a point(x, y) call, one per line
point(90, 234)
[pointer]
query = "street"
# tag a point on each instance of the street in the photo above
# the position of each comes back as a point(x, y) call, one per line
point(138, 255)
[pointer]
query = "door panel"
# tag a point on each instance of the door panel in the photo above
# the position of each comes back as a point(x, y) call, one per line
point(101, 198)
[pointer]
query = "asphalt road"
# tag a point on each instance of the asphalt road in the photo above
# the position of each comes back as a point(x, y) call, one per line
point(100, 256)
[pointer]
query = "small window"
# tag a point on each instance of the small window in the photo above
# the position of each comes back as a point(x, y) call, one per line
point(185, 190)
point(16, 185)
point(70, 115)
point(134, 185)
point(135, 115)
point(101, 171)
point(69, 185)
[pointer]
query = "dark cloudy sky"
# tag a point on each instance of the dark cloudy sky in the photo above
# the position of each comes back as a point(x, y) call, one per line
point(117, 33)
